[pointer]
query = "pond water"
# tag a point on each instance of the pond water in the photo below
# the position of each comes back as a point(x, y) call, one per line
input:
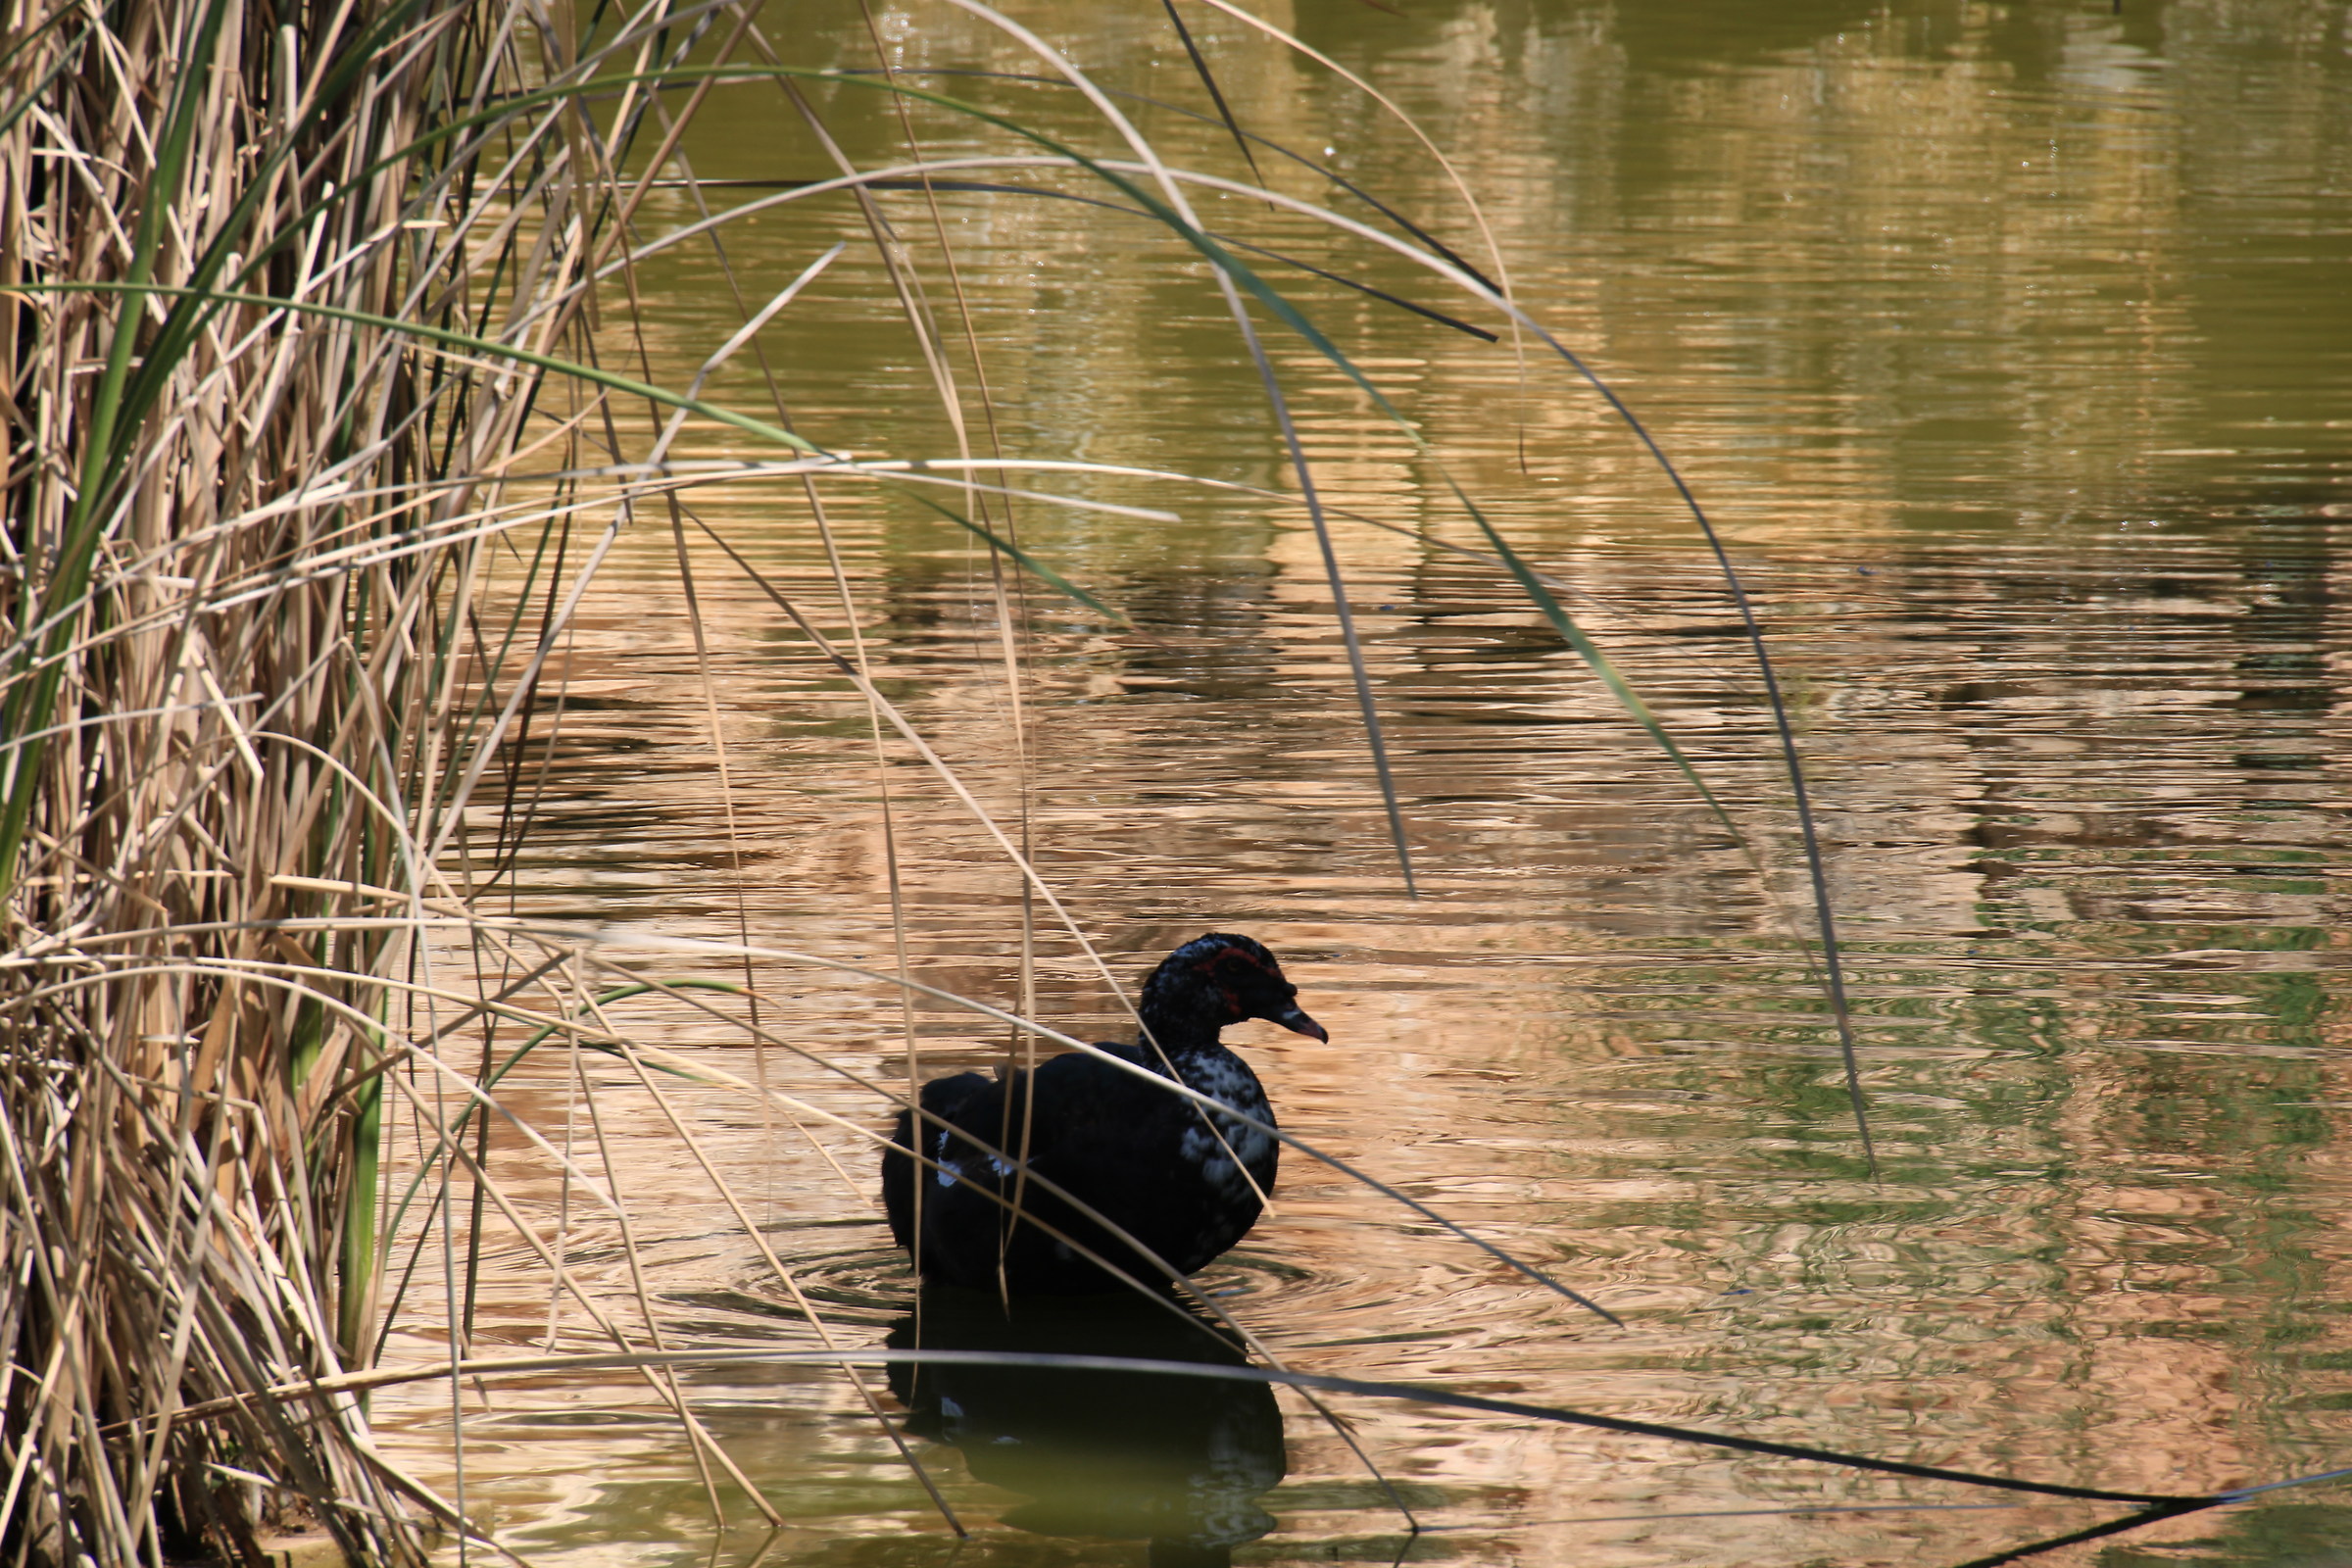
point(2010, 349)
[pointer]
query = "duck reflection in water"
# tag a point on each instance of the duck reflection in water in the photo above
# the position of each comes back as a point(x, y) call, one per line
point(1178, 1460)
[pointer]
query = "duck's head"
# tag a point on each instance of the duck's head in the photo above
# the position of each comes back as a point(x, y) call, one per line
point(1215, 980)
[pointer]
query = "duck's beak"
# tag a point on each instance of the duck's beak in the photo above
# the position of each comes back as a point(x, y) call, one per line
point(1298, 1023)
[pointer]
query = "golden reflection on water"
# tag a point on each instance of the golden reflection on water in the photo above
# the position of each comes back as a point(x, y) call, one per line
point(2010, 346)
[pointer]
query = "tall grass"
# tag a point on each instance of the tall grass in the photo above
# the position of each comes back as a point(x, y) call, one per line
point(311, 456)
point(243, 506)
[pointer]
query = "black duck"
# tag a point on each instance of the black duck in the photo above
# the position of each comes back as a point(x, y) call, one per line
point(1146, 1160)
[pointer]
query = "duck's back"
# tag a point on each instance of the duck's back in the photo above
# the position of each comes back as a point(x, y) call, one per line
point(1144, 1160)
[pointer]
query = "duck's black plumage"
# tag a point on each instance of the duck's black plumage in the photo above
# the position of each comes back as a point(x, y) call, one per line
point(1146, 1160)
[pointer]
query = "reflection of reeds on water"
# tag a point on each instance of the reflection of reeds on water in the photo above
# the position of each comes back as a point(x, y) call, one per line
point(1127, 1456)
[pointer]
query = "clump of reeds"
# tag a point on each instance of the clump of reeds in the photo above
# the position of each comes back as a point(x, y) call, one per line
point(244, 488)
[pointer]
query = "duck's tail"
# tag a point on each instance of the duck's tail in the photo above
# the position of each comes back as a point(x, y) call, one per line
point(944, 1099)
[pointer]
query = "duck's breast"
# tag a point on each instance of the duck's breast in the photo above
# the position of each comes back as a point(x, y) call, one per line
point(1212, 1151)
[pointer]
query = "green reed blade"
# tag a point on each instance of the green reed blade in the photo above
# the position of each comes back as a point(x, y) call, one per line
point(1216, 95)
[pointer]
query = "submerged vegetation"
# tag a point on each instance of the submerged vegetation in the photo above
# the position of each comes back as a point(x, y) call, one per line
point(334, 388)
